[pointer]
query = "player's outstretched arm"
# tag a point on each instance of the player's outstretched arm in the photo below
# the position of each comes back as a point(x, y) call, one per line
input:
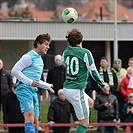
point(23, 63)
point(51, 90)
point(106, 86)
point(46, 86)
point(90, 64)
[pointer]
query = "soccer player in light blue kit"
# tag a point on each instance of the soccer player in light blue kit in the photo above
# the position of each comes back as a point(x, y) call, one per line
point(28, 71)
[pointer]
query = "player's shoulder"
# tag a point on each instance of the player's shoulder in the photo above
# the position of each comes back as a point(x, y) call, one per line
point(66, 49)
point(80, 50)
point(26, 55)
point(86, 50)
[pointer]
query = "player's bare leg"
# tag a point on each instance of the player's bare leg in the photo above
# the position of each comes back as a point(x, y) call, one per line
point(36, 124)
point(29, 120)
point(82, 126)
point(90, 102)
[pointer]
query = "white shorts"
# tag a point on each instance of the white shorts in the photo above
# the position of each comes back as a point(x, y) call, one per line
point(79, 99)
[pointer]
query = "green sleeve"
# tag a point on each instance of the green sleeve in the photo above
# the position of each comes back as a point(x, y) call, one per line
point(92, 69)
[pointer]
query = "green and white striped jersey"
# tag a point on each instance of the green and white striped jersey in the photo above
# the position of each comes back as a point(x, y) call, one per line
point(79, 62)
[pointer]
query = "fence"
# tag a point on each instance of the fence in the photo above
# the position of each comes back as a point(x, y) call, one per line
point(47, 130)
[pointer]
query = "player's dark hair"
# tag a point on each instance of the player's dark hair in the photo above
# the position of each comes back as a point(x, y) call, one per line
point(103, 58)
point(40, 39)
point(74, 37)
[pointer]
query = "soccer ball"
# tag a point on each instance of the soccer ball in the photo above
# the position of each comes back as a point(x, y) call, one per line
point(69, 15)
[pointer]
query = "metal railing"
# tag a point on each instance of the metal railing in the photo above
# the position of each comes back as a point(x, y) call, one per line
point(47, 126)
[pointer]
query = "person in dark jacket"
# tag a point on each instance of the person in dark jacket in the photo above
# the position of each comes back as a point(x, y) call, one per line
point(60, 111)
point(14, 113)
point(127, 111)
point(56, 76)
point(108, 109)
point(6, 84)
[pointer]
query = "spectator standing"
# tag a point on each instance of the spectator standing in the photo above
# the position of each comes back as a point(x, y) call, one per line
point(130, 61)
point(127, 111)
point(126, 86)
point(60, 111)
point(14, 113)
point(56, 76)
point(28, 71)
point(108, 109)
point(120, 73)
point(6, 84)
point(108, 75)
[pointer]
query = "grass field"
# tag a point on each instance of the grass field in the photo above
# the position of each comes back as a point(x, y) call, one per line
point(44, 110)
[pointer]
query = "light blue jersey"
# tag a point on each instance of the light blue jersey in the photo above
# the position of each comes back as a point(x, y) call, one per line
point(34, 71)
point(27, 94)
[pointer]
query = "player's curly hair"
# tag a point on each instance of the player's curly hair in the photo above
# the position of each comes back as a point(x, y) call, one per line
point(74, 37)
point(40, 39)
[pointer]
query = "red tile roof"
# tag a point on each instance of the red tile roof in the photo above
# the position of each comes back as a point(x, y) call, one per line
point(88, 12)
point(91, 10)
point(3, 14)
point(42, 15)
point(37, 14)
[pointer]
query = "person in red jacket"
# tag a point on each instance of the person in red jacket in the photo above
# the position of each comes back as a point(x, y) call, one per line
point(126, 86)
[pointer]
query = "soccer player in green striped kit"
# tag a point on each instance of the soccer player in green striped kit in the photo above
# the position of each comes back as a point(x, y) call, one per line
point(79, 62)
